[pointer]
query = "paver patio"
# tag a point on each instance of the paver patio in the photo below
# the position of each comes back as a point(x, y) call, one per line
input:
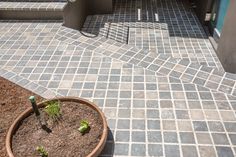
point(158, 102)
point(167, 27)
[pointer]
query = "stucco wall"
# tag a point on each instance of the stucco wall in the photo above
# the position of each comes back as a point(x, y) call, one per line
point(76, 13)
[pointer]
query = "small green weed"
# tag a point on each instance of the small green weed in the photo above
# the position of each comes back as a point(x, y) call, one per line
point(53, 110)
point(42, 151)
point(84, 126)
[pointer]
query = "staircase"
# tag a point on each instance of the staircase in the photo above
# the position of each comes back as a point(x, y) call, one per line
point(32, 9)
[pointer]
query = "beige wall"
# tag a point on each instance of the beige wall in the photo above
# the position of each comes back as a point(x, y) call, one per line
point(227, 44)
point(75, 13)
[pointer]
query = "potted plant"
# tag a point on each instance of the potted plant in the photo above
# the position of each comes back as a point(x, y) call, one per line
point(65, 126)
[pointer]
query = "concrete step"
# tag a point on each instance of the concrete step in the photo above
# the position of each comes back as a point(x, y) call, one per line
point(32, 9)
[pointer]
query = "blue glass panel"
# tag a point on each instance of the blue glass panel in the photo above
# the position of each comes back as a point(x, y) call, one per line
point(223, 7)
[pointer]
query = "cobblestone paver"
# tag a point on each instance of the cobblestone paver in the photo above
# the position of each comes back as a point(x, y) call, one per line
point(150, 112)
point(161, 64)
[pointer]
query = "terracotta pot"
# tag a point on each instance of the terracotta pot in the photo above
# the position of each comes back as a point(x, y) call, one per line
point(97, 150)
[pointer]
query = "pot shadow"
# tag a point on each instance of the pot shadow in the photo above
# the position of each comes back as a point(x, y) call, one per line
point(109, 147)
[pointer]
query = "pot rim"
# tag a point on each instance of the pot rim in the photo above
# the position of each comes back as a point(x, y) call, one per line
point(96, 151)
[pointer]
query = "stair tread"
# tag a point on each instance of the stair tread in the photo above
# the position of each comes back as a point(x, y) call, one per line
point(47, 6)
point(33, 0)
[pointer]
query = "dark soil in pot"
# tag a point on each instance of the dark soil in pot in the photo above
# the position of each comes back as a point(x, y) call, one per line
point(13, 101)
point(65, 140)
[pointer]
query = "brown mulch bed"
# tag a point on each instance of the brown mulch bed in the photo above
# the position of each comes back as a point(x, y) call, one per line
point(13, 101)
point(65, 138)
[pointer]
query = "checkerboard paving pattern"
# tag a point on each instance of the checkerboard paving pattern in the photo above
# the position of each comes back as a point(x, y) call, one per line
point(162, 64)
point(168, 27)
point(149, 113)
point(40, 35)
point(30, 85)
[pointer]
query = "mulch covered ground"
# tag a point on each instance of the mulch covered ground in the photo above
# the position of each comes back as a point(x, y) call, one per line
point(13, 101)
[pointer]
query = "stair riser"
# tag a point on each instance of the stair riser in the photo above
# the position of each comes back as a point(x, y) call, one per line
point(31, 15)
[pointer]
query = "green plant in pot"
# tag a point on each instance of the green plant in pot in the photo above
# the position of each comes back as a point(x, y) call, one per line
point(42, 151)
point(84, 127)
point(73, 115)
point(53, 110)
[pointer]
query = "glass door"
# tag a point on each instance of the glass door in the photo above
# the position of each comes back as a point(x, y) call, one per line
point(223, 7)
